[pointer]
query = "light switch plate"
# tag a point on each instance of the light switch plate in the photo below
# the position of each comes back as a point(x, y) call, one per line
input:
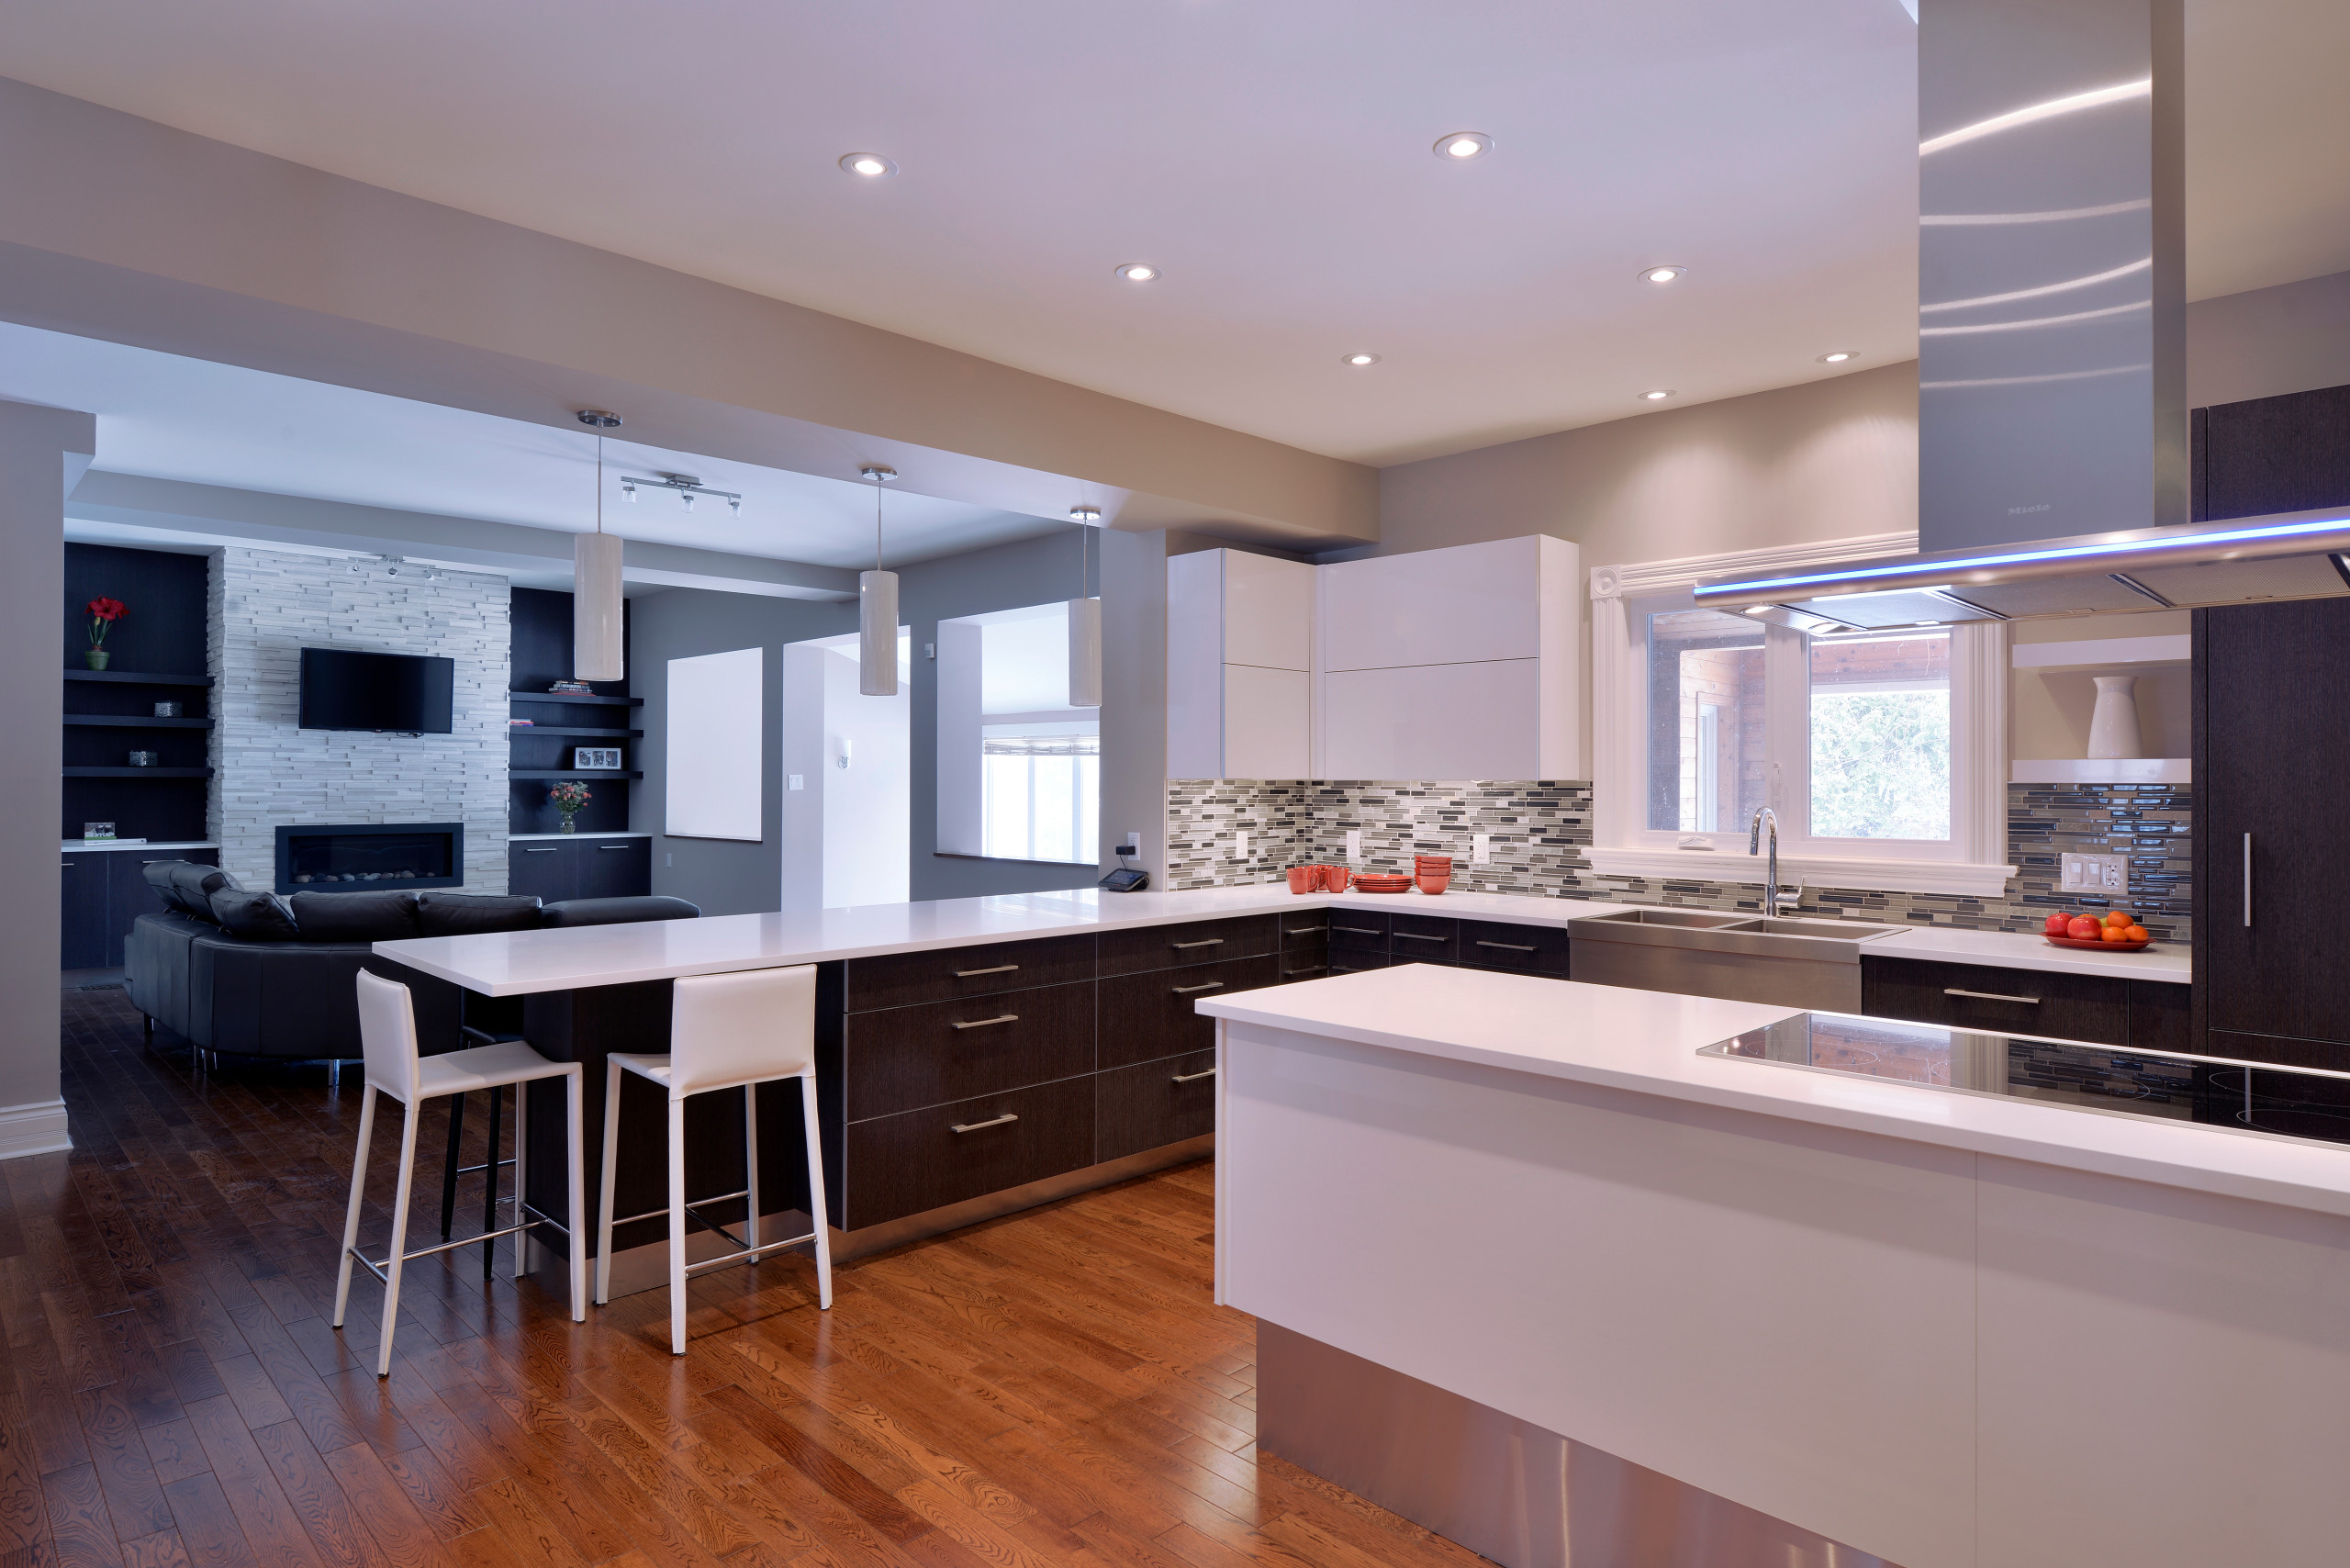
point(799, 782)
point(2105, 875)
point(1480, 848)
point(1240, 846)
point(1354, 844)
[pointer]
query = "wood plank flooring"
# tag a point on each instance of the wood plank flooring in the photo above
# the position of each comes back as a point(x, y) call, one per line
point(1051, 1388)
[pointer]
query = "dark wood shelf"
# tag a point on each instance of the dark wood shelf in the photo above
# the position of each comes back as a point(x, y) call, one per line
point(138, 773)
point(585, 775)
point(137, 677)
point(567, 730)
point(558, 697)
point(137, 722)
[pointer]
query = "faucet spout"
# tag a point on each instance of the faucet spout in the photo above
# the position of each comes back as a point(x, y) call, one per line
point(1772, 899)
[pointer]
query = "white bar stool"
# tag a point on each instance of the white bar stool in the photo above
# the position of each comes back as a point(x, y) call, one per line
point(729, 1031)
point(388, 1036)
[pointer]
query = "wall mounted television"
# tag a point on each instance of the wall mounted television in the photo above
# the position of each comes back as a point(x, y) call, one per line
point(398, 693)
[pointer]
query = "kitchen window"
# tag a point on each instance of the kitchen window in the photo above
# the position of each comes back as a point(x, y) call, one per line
point(1881, 754)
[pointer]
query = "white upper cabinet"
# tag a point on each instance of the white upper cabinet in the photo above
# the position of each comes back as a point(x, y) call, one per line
point(1471, 603)
point(1239, 656)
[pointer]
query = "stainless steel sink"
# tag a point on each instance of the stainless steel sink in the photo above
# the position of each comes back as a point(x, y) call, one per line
point(1741, 957)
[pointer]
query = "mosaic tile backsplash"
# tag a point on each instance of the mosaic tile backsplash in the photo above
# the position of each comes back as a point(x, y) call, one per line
point(1539, 831)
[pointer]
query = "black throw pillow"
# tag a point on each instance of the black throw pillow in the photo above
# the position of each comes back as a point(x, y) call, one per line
point(617, 912)
point(355, 917)
point(187, 888)
point(254, 916)
point(471, 914)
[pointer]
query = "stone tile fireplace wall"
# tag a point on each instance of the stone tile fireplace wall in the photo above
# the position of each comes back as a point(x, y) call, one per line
point(1541, 830)
point(265, 607)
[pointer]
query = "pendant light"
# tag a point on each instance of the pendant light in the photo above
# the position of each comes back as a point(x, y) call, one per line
point(877, 607)
point(596, 651)
point(1084, 620)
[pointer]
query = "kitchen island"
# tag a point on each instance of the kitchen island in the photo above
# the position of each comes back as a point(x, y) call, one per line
point(1531, 1271)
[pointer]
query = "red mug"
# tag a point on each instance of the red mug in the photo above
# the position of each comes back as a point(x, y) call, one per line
point(1336, 879)
point(1304, 879)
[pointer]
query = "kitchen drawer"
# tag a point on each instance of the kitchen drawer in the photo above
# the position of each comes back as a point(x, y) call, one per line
point(1147, 947)
point(1424, 939)
point(900, 1058)
point(1979, 996)
point(2160, 1017)
point(613, 867)
point(1305, 963)
point(945, 974)
point(1349, 963)
point(1144, 1017)
point(1307, 928)
point(1526, 949)
point(1154, 1105)
point(1358, 931)
point(2330, 1054)
point(547, 871)
point(896, 1166)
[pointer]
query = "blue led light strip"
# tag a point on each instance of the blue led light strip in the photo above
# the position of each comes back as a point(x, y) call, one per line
point(2066, 553)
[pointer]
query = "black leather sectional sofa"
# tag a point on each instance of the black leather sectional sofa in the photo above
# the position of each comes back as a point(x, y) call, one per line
point(245, 973)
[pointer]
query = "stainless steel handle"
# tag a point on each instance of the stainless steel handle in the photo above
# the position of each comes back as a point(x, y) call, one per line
point(975, 1126)
point(1507, 946)
point(1415, 936)
point(998, 969)
point(548, 849)
point(1202, 941)
point(1194, 1077)
point(2248, 880)
point(1309, 969)
point(1990, 996)
point(162, 862)
point(983, 1023)
point(1360, 930)
point(1188, 990)
point(1307, 931)
point(612, 846)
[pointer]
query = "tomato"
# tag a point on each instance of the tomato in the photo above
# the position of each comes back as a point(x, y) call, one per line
point(2084, 929)
point(2058, 925)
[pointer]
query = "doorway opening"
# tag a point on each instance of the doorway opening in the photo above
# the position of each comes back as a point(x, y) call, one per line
point(847, 783)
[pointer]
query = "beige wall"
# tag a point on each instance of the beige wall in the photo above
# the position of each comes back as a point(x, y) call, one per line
point(2267, 342)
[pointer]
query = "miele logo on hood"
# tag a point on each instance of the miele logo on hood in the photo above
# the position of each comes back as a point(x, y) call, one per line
point(2018, 511)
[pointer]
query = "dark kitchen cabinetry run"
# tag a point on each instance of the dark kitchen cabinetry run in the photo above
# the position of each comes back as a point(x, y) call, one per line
point(588, 866)
point(1151, 1015)
point(2272, 455)
point(1154, 1103)
point(2272, 733)
point(101, 892)
point(2102, 1010)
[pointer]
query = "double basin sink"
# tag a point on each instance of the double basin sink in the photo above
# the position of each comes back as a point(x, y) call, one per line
point(1741, 957)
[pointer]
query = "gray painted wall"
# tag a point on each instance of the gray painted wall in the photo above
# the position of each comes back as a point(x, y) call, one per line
point(2267, 342)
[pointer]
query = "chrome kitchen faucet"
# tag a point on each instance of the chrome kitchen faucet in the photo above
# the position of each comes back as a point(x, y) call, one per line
point(1773, 901)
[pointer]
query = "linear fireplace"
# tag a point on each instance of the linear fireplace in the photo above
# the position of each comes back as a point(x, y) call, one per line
point(355, 857)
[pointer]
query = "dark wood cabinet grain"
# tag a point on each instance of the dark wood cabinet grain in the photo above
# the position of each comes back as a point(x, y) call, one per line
point(1147, 1017)
point(1306, 961)
point(614, 868)
point(82, 913)
point(1307, 928)
point(547, 872)
point(1423, 939)
point(1154, 1105)
point(1527, 949)
point(1356, 931)
point(903, 979)
point(2161, 1017)
point(2333, 1056)
point(900, 1059)
point(1147, 947)
point(1355, 963)
point(902, 1165)
point(2018, 1002)
point(2272, 455)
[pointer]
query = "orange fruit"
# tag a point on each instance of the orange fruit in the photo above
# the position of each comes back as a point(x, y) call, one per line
point(2117, 934)
point(2116, 917)
point(2139, 934)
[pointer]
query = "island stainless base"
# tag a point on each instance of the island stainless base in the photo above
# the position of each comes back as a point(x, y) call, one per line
point(1505, 1488)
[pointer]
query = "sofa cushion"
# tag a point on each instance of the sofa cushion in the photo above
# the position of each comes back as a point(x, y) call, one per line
point(254, 916)
point(355, 917)
point(187, 888)
point(469, 915)
point(617, 912)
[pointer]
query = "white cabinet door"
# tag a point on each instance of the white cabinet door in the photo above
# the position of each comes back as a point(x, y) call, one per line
point(1267, 611)
point(1265, 722)
point(1468, 603)
point(1453, 720)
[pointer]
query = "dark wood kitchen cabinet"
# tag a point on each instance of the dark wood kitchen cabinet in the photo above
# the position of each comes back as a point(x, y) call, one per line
point(2272, 455)
point(587, 865)
point(2272, 850)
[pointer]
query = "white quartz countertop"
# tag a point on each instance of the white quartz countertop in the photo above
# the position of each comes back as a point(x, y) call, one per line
point(1647, 1041)
point(622, 833)
point(517, 962)
point(117, 843)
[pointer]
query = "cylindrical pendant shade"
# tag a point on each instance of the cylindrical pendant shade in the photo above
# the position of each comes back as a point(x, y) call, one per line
point(1085, 653)
point(596, 652)
point(877, 633)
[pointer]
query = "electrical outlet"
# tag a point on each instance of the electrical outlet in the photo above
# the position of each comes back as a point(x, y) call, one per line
point(1480, 848)
point(1240, 846)
point(2105, 875)
point(799, 781)
point(1354, 844)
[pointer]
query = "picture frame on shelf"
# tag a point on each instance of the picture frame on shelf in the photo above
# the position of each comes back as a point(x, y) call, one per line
point(586, 757)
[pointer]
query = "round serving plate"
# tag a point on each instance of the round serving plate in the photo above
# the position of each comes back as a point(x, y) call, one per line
point(2097, 944)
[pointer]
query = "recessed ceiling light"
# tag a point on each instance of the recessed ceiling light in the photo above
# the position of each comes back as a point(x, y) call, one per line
point(1359, 360)
point(867, 165)
point(1663, 274)
point(1657, 396)
point(1138, 272)
point(1463, 145)
point(1838, 356)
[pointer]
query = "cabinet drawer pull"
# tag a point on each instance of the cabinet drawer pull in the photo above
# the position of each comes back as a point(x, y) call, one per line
point(2247, 881)
point(1415, 936)
point(998, 969)
point(975, 1126)
point(612, 846)
point(1360, 930)
point(1194, 1077)
point(1188, 990)
point(1990, 996)
point(534, 849)
point(983, 1023)
point(1507, 946)
point(1202, 941)
point(154, 862)
point(1309, 969)
point(1307, 931)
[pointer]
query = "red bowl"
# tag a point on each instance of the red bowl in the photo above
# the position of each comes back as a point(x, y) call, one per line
point(1434, 884)
point(1381, 884)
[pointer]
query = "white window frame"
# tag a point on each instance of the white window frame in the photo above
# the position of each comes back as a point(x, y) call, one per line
point(1971, 861)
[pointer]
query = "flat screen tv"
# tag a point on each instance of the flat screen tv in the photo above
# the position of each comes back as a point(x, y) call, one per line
point(402, 693)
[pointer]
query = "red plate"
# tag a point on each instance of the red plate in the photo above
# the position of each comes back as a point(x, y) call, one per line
point(1383, 884)
point(2098, 941)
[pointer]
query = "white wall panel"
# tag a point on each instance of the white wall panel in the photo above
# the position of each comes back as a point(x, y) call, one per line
point(1458, 720)
point(717, 750)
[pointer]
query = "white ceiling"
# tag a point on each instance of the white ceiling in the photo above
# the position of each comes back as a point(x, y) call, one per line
point(166, 417)
point(1273, 159)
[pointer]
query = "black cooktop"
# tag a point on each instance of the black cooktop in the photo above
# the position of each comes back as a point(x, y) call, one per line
point(2293, 1101)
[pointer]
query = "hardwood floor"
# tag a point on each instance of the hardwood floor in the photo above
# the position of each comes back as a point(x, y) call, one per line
point(1051, 1388)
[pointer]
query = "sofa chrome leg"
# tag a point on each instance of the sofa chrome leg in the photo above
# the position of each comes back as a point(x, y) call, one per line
point(334, 1073)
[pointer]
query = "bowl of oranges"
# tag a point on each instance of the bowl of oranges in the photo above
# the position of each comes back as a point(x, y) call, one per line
point(2115, 932)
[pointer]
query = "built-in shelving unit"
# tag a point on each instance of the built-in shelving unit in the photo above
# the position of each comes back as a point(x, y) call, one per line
point(567, 730)
point(134, 722)
point(573, 700)
point(132, 677)
point(537, 752)
point(585, 775)
point(71, 772)
point(2095, 770)
point(2095, 656)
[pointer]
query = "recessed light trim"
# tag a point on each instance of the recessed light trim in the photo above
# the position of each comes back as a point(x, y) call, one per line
point(1461, 146)
point(867, 165)
point(1664, 274)
point(1138, 272)
point(1359, 361)
point(1838, 356)
point(1656, 395)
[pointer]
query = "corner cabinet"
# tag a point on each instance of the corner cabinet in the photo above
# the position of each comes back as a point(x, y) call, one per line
point(1239, 660)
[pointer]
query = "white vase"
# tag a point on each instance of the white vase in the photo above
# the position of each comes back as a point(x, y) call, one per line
point(2114, 727)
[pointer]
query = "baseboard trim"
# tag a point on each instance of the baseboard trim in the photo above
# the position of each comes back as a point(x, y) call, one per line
point(35, 1128)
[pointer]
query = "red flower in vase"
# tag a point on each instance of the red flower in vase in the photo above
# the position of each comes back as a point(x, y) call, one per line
point(104, 613)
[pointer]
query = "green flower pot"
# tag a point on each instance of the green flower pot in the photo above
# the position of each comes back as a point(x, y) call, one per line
point(97, 657)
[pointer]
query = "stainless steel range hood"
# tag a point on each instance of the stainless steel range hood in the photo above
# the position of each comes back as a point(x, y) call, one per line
point(2053, 455)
